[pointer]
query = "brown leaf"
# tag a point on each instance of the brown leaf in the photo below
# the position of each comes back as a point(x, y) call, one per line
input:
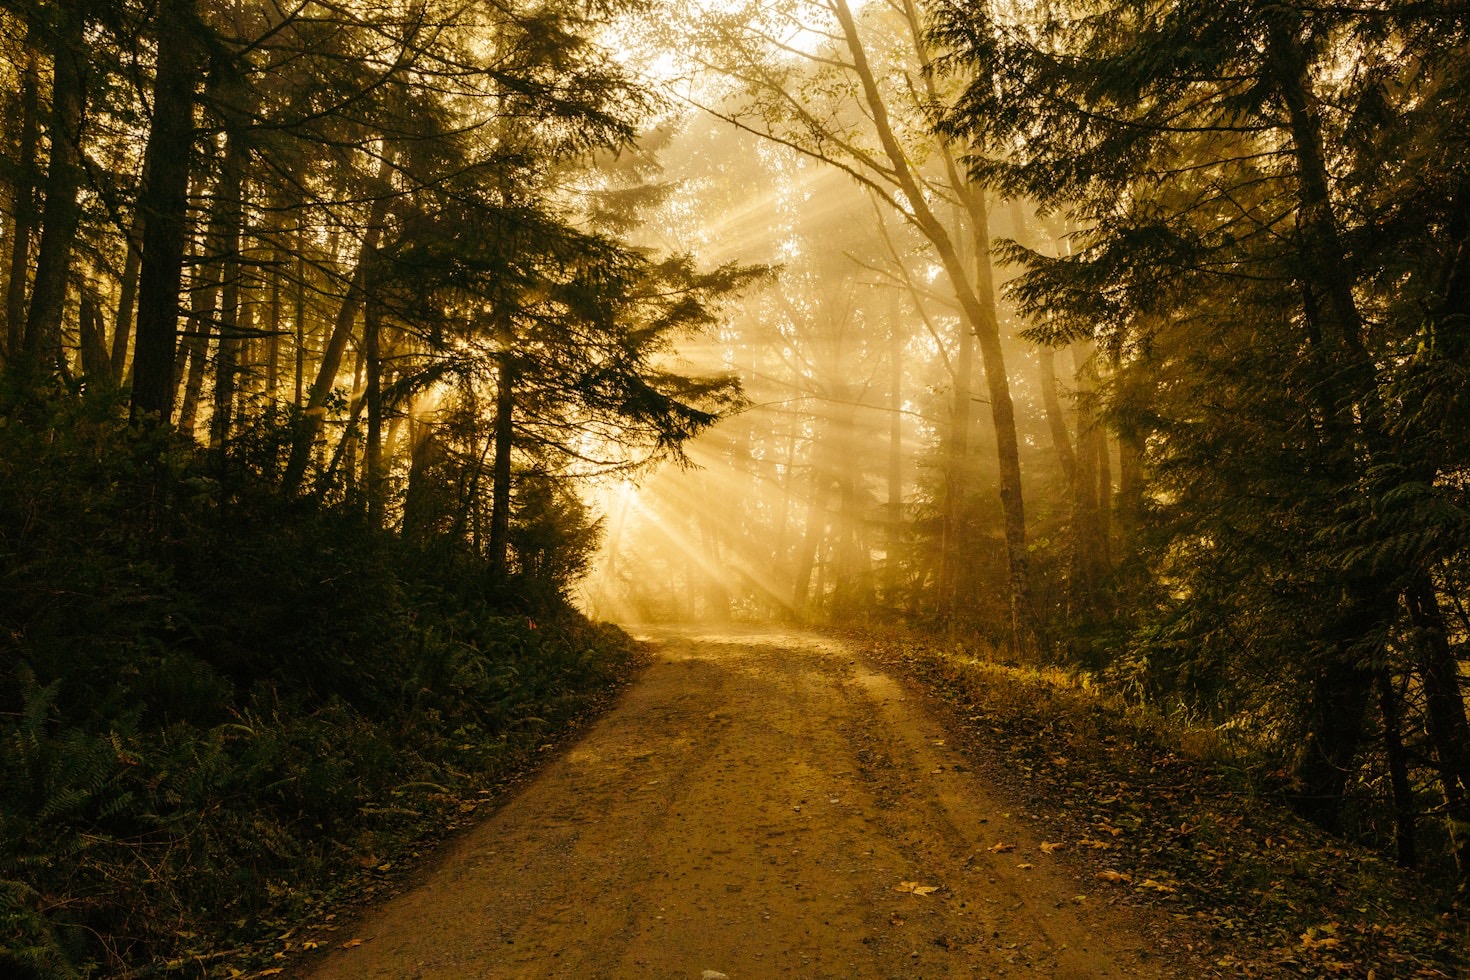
point(1000, 848)
point(914, 888)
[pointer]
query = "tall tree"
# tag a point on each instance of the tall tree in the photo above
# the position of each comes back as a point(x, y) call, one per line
point(163, 203)
point(832, 103)
point(1222, 161)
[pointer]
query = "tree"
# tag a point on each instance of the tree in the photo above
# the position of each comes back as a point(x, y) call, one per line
point(1239, 245)
point(830, 102)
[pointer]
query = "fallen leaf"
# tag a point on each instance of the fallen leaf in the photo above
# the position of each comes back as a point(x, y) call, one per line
point(1048, 846)
point(1025, 867)
point(914, 888)
point(1096, 845)
point(1157, 886)
point(352, 943)
point(1114, 876)
point(1002, 848)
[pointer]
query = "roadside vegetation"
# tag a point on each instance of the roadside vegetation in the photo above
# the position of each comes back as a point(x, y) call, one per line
point(218, 706)
point(1157, 811)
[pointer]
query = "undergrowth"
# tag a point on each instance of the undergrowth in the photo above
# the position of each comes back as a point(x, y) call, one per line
point(216, 704)
point(1156, 811)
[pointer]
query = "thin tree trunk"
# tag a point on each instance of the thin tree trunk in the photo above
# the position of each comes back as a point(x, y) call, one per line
point(504, 438)
point(1449, 731)
point(1404, 815)
point(231, 240)
point(956, 473)
point(192, 356)
point(372, 330)
point(127, 301)
point(812, 533)
point(24, 219)
point(1089, 537)
point(892, 571)
point(977, 303)
point(273, 328)
point(96, 365)
point(331, 361)
point(1335, 712)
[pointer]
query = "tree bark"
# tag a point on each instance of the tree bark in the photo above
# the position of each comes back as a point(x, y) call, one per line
point(893, 569)
point(163, 203)
point(63, 180)
point(231, 240)
point(373, 481)
point(24, 206)
point(504, 439)
point(1056, 418)
point(1449, 731)
point(977, 303)
point(192, 356)
point(1404, 816)
point(127, 302)
point(331, 362)
point(96, 365)
point(1335, 714)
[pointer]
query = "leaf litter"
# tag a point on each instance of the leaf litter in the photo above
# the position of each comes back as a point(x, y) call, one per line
point(1260, 891)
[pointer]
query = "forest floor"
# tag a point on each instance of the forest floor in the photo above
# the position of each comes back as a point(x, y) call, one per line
point(769, 804)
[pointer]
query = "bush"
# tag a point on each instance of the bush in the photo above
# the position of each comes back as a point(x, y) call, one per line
point(213, 700)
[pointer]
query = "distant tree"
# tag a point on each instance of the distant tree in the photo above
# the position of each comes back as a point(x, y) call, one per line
point(858, 101)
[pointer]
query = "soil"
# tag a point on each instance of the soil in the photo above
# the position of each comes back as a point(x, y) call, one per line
point(759, 804)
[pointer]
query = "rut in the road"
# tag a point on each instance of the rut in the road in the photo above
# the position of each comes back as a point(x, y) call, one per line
point(756, 806)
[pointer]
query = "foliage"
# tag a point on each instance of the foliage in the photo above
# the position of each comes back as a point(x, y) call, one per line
point(217, 702)
point(1267, 242)
point(1166, 812)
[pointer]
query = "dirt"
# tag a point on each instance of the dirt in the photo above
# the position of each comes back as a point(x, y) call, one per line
point(759, 804)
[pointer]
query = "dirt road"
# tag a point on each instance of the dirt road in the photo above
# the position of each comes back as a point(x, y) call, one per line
point(758, 805)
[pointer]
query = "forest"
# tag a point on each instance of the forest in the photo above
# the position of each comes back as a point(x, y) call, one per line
point(358, 357)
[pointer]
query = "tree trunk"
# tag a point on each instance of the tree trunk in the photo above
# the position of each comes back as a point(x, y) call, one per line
point(231, 240)
point(92, 336)
point(63, 179)
point(127, 302)
point(977, 303)
point(163, 203)
point(1056, 418)
point(331, 362)
point(273, 327)
point(504, 439)
point(806, 558)
point(23, 223)
point(1444, 709)
point(1088, 530)
point(1334, 714)
point(956, 477)
point(373, 453)
point(893, 569)
point(192, 356)
point(1390, 707)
